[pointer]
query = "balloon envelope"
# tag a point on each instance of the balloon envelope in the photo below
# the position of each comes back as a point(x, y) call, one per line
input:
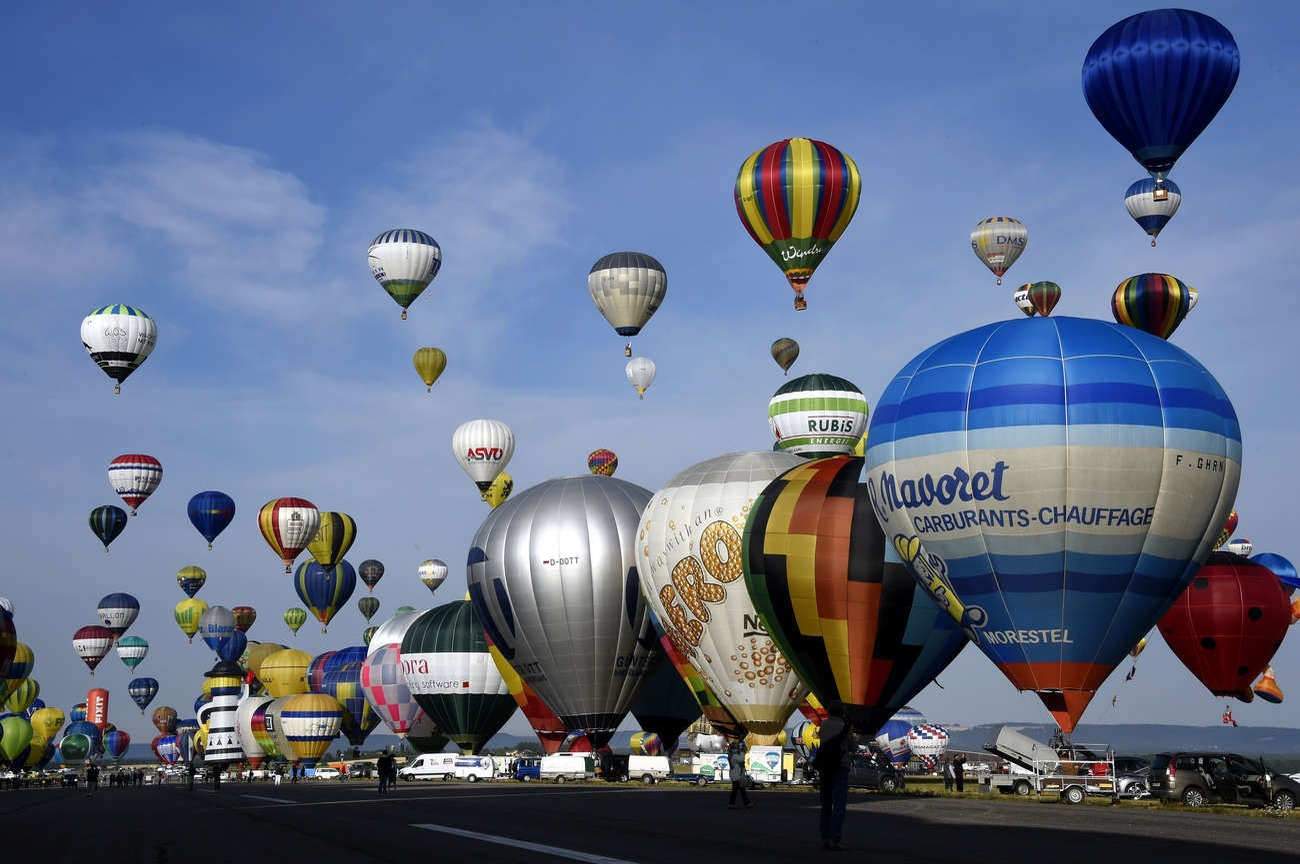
point(817, 415)
point(370, 572)
point(483, 448)
point(324, 590)
point(404, 261)
point(118, 338)
point(628, 288)
point(134, 477)
point(1017, 468)
point(118, 612)
point(287, 526)
point(107, 523)
point(210, 512)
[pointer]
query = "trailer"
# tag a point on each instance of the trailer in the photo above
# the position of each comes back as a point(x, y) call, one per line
point(1071, 772)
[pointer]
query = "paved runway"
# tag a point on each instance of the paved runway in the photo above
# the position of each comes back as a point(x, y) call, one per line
point(321, 822)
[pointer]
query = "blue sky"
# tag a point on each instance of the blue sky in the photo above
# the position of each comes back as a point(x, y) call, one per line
point(225, 170)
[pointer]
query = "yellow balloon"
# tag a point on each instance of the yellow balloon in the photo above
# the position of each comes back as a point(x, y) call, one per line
point(430, 362)
point(257, 654)
point(284, 673)
point(46, 723)
point(187, 613)
point(500, 490)
point(333, 538)
point(311, 722)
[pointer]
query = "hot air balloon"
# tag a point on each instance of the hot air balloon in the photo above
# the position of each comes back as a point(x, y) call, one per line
point(1021, 298)
point(692, 580)
point(22, 660)
point(190, 579)
point(384, 686)
point(73, 749)
point(342, 680)
point(39, 753)
point(664, 705)
point(234, 647)
point(118, 338)
point(875, 639)
point(928, 741)
point(284, 673)
point(795, 198)
point(1154, 302)
point(404, 261)
point(310, 722)
point(115, 744)
point(91, 644)
point(785, 352)
point(244, 617)
point(164, 719)
point(998, 241)
point(817, 415)
point(891, 737)
point(483, 448)
point(295, 618)
point(142, 691)
point(1266, 688)
point(805, 739)
point(446, 644)
point(134, 477)
point(250, 729)
point(316, 671)
point(429, 365)
point(603, 462)
point(640, 374)
point(433, 573)
point(370, 572)
point(976, 467)
point(1228, 624)
point(188, 613)
point(547, 727)
point(78, 713)
point(46, 723)
point(368, 634)
point(1152, 205)
point(368, 606)
point(1229, 526)
point(210, 512)
point(15, 738)
point(22, 695)
point(90, 730)
point(287, 525)
point(1280, 567)
point(1239, 546)
point(333, 538)
point(216, 627)
point(500, 490)
point(118, 612)
point(1044, 296)
point(560, 552)
point(324, 590)
point(646, 743)
point(257, 654)
point(131, 650)
point(1155, 80)
point(107, 522)
point(627, 288)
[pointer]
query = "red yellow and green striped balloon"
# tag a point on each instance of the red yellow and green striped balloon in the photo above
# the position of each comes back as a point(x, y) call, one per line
point(795, 198)
point(1154, 302)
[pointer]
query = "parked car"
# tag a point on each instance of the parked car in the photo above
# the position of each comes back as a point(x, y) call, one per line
point(866, 772)
point(619, 768)
point(327, 774)
point(1196, 779)
point(1132, 777)
point(528, 768)
point(430, 766)
point(568, 766)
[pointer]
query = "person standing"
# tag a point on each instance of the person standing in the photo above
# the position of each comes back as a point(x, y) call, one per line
point(92, 778)
point(381, 767)
point(736, 770)
point(959, 771)
point(949, 774)
point(834, 755)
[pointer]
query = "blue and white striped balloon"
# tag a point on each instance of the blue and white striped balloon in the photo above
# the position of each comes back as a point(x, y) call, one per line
point(1152, 207)
point(1054, 483)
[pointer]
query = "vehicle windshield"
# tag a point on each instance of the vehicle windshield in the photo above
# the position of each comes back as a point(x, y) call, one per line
point(1160, 763)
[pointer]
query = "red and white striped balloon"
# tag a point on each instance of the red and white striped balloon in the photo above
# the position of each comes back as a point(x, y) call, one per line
point(134, 477)
point(91, 644)
point(288, 525)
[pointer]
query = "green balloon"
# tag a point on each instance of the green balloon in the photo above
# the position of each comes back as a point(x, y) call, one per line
point(15, 738)
point(73, 748)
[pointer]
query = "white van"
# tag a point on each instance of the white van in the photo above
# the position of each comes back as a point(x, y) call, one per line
point(764, 764)
point(568, 766)
point(430, 766)
point(648, 769)
point(473, 768)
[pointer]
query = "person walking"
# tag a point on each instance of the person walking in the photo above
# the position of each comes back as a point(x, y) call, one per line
point(279, 774)
point(736, 770)
point(959, 771)
point(381, 768)
point(949, 774)
point(834, 755)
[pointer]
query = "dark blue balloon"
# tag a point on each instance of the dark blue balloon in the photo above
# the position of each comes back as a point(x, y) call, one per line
point(37, 704)
point(1156, 79)
point(324, 590)
point(233, 648)
point(1282, 568)
point(210, 512)
point(107, 522)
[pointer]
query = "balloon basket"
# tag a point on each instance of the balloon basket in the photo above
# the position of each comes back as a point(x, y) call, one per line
point(403, 314)
point(627, 350)
point(117, 389)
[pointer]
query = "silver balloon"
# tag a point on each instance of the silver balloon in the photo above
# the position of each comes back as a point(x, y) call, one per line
point(552, 573)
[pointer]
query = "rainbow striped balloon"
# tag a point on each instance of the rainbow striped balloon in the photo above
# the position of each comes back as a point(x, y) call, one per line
point(795, 198)
point(1154, 302)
